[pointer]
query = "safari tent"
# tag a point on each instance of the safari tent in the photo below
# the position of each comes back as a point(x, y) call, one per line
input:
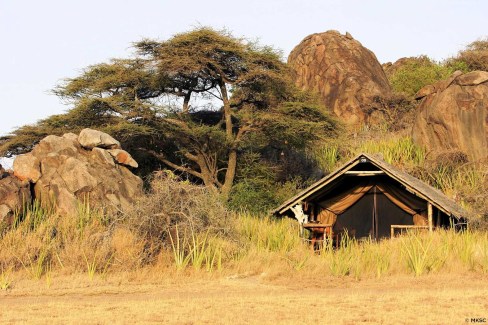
point(368, 197)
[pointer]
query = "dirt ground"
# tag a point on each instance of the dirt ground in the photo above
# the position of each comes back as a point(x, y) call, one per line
point(456, 299)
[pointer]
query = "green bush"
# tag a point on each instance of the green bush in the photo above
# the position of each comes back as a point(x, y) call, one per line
point(257, 195)
point(259, 187)
point(418, 72)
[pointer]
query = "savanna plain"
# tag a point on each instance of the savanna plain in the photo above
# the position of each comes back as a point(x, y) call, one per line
point(247, 299)
point(241, 269)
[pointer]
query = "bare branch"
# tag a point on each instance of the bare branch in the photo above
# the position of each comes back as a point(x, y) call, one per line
point(190, 156)
point(211, 93)
point(173, 165)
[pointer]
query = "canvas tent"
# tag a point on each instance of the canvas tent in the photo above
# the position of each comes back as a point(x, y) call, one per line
point(369, 198)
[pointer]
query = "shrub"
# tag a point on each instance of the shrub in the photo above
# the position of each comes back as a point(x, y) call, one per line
point(397, 112)
point(474, 57)
point(172, 201)
point(466, 182)
point(260, 186)
point(418, 72)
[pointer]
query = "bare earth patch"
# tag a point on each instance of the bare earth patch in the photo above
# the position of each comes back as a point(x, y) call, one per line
point(432, 299)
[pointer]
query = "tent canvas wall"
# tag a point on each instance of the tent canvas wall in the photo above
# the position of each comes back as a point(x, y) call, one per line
point(367, 196)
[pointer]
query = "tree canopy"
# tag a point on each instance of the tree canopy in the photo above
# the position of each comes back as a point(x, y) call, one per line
point(193, 103)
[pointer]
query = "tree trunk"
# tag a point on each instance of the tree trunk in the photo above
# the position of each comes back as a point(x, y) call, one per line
point(207, 174)
point(232, 160)
point(229, 174)
point(227, 112)
point(186, 102)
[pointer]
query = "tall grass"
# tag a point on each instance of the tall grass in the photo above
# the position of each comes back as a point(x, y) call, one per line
point(416, 253)
point(468, 177)
point(375, 258)
point(5, 280)
point(32, 215)
point(178, 244)
point(327, 156)
point(465, 249)
point(198, 250)
point(43, 244)
point(420, 253)
point(267, 234)
point(467, 183)
point(396, 150)
point(481, 254)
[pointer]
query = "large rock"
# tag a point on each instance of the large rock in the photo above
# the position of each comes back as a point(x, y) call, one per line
point(453, 115)
point(27, 168)
point(90, 139)
point(123, 157)
point(13, 194)
point(73, 170)
point(345, 74)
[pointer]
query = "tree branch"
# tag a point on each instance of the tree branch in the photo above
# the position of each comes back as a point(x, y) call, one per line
point(173, 165)
point(190, 156)
point(211, 93)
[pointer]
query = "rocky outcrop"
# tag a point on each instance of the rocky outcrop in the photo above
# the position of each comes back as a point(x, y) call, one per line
point(13, 193)
point(70, 169)
point(453, 115)
point(345, 74)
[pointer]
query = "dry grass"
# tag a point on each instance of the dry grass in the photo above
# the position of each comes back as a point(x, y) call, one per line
point(250, 245)
point(54, 268)
point(188, 299)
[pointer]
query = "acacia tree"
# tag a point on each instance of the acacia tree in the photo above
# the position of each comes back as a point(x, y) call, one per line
point(194, 102)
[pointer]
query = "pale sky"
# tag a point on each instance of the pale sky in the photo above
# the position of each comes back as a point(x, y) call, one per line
point(48, 40)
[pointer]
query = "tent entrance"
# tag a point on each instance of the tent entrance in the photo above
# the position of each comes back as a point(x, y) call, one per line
point(372, 216)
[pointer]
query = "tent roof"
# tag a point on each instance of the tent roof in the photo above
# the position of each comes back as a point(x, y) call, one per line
point(412, 184)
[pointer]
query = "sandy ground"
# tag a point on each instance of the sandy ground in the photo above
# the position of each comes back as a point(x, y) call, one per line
point(444, 299)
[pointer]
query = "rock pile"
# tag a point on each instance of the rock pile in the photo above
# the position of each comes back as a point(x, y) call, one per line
point(13, 193)
point(345, 74)
point(453, 115)
point(89, 167)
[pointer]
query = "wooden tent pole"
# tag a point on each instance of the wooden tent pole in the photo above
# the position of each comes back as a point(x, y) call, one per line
point(429, 215)
point(375, 215)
